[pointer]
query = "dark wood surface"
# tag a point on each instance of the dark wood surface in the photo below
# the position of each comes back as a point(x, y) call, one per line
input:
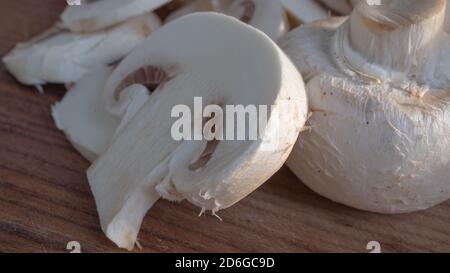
point(45, 200)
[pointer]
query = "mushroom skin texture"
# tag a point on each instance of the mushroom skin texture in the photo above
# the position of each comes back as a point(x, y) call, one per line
point(144, 162)
point(59, 56)
point(82, 117)
point(378, 88)
point(98, 15)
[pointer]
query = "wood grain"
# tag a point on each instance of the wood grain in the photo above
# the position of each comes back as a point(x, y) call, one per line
point(45, 200)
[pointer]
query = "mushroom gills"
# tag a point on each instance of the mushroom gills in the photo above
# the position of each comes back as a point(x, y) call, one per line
point(144, 161)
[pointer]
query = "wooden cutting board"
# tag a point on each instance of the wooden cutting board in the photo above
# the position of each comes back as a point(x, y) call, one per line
point(45, 200)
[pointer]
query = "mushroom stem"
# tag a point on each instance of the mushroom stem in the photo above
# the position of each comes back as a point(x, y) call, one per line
point(391, 40)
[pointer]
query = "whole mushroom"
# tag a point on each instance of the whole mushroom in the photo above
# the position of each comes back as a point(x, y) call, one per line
point(379, 93)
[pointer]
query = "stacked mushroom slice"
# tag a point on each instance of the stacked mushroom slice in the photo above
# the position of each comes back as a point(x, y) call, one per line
point(378, 88)
point(101, 14)
point(145, 161)
point(91, 35)
point(273, 17)
point(304, 11)
point(266, 15)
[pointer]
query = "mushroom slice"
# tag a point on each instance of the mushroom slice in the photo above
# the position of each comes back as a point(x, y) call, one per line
point(145, 161)
point(378, 89)
point(101, 14)
point(304, 11)
point(63, 57)
point(194, 6)
point(266, 15)
point(342, 7)
point(81, 115)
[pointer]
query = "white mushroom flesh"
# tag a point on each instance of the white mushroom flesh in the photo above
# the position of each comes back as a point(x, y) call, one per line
point(64, 57)
point(101, 14)
point(81, 115)
point(266, 15)
point(144, 162)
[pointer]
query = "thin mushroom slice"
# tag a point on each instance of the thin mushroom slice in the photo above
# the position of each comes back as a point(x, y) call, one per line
point(81, 115)
point(63, 57)
point(378, 88)
point(266, 15)
point(304, 11)
point(101, 14)
point(147, 160)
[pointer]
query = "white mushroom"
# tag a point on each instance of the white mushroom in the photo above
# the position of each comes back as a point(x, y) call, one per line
point(378, 85)
point(81, 115)
point(101, 14)
point(225, 63)
point(59, 56)
point(304, 11)
point(266, 15)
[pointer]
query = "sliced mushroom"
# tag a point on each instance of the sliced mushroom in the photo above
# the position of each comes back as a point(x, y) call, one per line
point(101, 14)
point(62, 57)
point(304, 11)
point(81, 115)
point(447, 18)
point(145, 162)
point(378, 87)
point(266, 15)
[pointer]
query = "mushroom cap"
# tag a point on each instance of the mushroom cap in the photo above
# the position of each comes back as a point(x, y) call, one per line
point(145, 162)
point(377, 146)
point(65, 57)
point(101, 14)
